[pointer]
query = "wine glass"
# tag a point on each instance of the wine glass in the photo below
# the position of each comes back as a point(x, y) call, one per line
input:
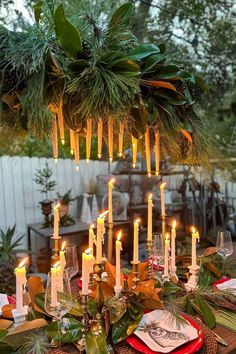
point(158, 255)
point(58, 299)
point(224, 247)
point(72, 265)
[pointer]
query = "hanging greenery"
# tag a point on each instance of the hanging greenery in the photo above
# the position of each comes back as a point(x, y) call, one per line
point(75, 67)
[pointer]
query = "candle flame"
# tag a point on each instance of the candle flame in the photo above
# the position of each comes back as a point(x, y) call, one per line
point(119, 154)
point(111, 181)
point(150, 196)
point(55, 160)
point(167, 236)
point(157, 173)
point(87, 160)
point(56, 265)
point(174, 224)
point(72, 151)
point(137, 220)
point(77, 168)
point(23, 262)
point(104, 214)
point(193, 230)
point(63, 246)
point(149, 174)
point(134, 164)
point(162, 186)
point(110, 159)
point(99, 156)
point(63, 141)
point(119, 235)
point(57, 205)
point(92, 226)
point(88, 251)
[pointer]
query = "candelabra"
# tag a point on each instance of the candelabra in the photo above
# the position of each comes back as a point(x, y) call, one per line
point(163, 225)
point(98, 270)
point(150, 258)
point(135, 272)
point(55, 257)
point(193, 280)
point(110, 241)
point(81, 344)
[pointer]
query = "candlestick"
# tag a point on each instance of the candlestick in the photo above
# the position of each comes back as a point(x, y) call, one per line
point(163, 212)
point(135, 272)
point(100, 233)
point(76, 148)
point(194, 268)
point(61, 121)
point(173, 237)
point(100, 128)
point(55, 283)
point(195, 237)
point(150, 258)
point(121, 139)
point(88, 138)
point(148, 152)
point(91, 238)
point(54, 138)
point(110, 138)
point(72, 141)
point(134, 150)
point(135, 249)
point(149, 226)
point(20, 311)
point(56, 221)
point(118, 286)
point(81, 344)
point(157, 152)
point(166, 259)
point(87, 261)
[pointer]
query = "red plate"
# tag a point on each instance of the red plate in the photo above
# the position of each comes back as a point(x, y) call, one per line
point(219, 281)
point(188, 348)
point(11, 300)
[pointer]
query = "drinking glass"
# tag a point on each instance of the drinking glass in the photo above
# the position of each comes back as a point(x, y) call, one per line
point(224, 247)
point(158, 255)
point(72, 265)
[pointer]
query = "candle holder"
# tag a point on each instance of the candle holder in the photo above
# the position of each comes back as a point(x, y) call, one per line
point(91, 280)
point(135, 272)
point(55, 256)
point(193, 280)
point(173, 273)
point(81, 344)
point(20, 316)
point(163, 225)
point(110, 241)
point(98, 270)
point(150, 258)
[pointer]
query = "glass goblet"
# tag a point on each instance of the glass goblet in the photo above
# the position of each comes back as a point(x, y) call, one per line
point(72, 264)
point(224, 246)
point(158, 255)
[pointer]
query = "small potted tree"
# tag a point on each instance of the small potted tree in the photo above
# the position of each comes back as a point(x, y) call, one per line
point(64, 201)
point(43, 178)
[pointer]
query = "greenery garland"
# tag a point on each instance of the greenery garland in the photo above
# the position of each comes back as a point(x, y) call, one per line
point(97, 70)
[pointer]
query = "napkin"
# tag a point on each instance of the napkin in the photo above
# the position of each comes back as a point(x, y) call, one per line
point(228, 285)
point(160, 331)
point(3, 301)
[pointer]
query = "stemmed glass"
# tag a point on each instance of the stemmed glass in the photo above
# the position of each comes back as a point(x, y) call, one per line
point(158, 254)
point(72, 265)
point(224, 247)
point(58, 300)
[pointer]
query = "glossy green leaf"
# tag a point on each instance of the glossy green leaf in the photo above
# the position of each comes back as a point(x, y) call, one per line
point(152, 61)
point(33, 314)
point(142, 51)
point(67, 331)
point(174, 98)
point(187, 76)
point(96, 344)
point(123, 328)
point(37, 11)
point(3, 334)
point(167, 72)
point(67, 34)
point(206, 311)
point(170, 288)
point(126, 67)
point(139, 114)
point(122, 15)
point(92, 307)
point(162, 47)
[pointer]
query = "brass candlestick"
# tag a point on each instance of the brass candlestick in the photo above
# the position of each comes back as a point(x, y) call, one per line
point(135, 272)
point(110, 241)
point(98, 270)
point(55, 257)
point(81, 344)
point(150, 258)
point(163, 226)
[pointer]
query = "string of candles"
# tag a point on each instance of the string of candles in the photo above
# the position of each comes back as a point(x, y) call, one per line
point(61, 122)
point(76, 149)
point(72, 142)
point(110, 138)
point(100, 129)
point(157, 152)
point(148, 151)
point(88, 139)
point(121, 139)
point(54, 138)
point(134, 151)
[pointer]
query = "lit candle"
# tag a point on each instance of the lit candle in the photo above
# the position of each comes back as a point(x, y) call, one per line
point(162, 189)
point(87, 260)
point(62, 256)
point(56, 222)
point(173, 237)
point(149, 226)
point(110, 138)
point(195, 237)
point(121, 139)
point(136, 234)
point(54, 138)
point(61, 121)
point(76, 148)
point(21, 281)
point(100, 233)
point(88, 138)
point(91, 238)
point(110, 187)
point(100, 128)
point(166, 260)
point(55, 283)
point(148, 152)
point(157, 152)
point(72, 138)
point(118, 286)
point(134, 150)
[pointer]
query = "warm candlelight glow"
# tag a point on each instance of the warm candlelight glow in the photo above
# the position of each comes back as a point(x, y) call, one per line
point(55, 160)
point(157, 173)
point(23, 262)
point(57, 205)
point(63, 246)
point(111, 181)
point(193, 230)
point(99, 156)
point(87, 160)
point(149, 174)
point(92, 226)
point(63, 141)
point(174, 224)
point(88, 251)
point(150, 196)
point(104, 214)
point(77, 168)
point(162, 186)
point(110, 159)
point(56, 265)
point(119, 235)
point(138, 220)
point(167, 237)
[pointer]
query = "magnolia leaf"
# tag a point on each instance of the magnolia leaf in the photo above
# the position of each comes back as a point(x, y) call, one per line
point(142, 51)
point(39, 303)
point(96, 344)
point(167, 72)
point(68, 331)
point(67, 34)
point(123, 328)
point(150, 304)
point(174, 98)
point(33, 315)
point(7, 310)
point(200, 82)
point(35, 287)
point(3, 334)
point(206, 311)
point(170, 288)
point(162, 84)
point(5, 324)
point(92, 307)
point(143, 273)
point(209, 251)
point(111, 275)
point(151, 63)
point(187, 76)
point(122, 16)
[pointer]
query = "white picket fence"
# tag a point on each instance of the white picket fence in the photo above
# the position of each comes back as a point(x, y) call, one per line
point(20, 196)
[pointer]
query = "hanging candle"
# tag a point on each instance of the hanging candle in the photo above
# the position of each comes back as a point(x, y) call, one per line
point(157, 152)
point(110, 187)
point(148, 152)
point(56, 220)
point(61, 122)
point(76, 149)
point(121, 139)
point(134, 150)
point(54, 138)
point(88, 138)
point(149, 226)
point(72, 138)
point(100, 128)
point(110, 138)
